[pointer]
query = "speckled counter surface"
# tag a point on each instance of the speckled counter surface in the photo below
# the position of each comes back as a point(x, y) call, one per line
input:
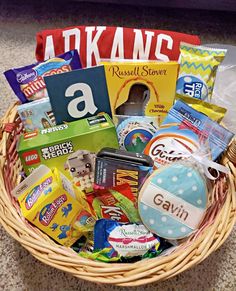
point(18, 26)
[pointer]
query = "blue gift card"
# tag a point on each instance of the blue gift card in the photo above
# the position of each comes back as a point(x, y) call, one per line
point(78, 94)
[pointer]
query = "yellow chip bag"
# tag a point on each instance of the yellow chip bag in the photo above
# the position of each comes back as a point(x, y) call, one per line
point(198, 70)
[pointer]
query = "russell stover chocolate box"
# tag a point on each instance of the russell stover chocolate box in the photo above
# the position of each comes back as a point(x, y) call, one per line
point(70, 147)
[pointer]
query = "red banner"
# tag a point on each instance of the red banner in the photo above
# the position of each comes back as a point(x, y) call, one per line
point(101, 42)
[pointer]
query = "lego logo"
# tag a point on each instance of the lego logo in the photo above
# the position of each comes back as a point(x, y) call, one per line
point(31, 157)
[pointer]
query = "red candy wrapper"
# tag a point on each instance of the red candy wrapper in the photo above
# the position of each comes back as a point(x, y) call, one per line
point(117, 203)
point(103, 42)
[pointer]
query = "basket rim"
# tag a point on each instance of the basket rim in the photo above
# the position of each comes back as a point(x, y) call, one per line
point(128, 274)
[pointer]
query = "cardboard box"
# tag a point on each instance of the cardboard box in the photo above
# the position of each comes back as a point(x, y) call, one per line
point(69, 147)
point(141, 88)
point(47, 202)
point(36, 115)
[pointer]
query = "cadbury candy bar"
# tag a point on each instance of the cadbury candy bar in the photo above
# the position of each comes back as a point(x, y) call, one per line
point(198, 70)
point(27, 82)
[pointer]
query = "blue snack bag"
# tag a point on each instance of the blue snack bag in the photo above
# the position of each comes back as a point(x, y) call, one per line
point(191, 129)
point(27, 82)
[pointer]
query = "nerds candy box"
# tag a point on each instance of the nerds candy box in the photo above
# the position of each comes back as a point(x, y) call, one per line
point(69, 147)
point(48, 201)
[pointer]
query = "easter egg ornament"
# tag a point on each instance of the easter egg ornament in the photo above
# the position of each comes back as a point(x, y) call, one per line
point(173, 200)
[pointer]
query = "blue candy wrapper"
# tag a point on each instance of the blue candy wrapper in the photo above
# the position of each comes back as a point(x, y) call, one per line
point(123, 240)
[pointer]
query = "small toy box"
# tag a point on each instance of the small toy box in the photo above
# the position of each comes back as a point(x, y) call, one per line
point(47, 202)
point(36, 115)
point(70, 147)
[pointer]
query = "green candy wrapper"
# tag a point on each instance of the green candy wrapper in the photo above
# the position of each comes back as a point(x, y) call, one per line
point(117, 203)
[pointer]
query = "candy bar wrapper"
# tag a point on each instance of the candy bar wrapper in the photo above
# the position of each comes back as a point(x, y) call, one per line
point(191, 130)
point(104, 42)
point(198, 70)
point(127, 240)
point(36, 115)
point(116, 167)
point(27, 82)
point(117, 203)
point(216, 113)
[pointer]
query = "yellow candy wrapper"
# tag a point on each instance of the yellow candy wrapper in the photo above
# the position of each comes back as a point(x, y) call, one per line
point(198, 70)
point(213, 111)
point(47, 200)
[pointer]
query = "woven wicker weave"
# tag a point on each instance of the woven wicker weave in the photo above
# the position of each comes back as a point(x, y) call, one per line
point(214, 230)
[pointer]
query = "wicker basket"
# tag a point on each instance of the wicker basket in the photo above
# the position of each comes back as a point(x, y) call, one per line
point(214, 230)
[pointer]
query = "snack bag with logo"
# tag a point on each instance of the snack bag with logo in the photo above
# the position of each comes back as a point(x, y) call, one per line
point(191, 130)
point(198, 70)
point(47, 200)
point(27, 82)
point(117, 203)
point(213, 111)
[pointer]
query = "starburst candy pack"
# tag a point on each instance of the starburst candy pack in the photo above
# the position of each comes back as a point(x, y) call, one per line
point(48, 201)
point(69, 147)
point(145, 88)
